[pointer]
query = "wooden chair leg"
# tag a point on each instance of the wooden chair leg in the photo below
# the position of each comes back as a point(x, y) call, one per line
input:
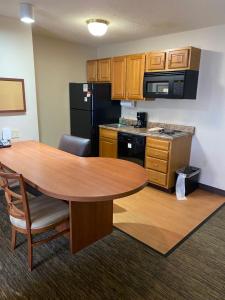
point(30, 252)
point(13, 240)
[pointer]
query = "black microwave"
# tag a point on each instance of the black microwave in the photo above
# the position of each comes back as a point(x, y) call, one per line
point(172, 85)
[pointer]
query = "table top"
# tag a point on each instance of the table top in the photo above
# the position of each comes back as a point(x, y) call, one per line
point(65, 176)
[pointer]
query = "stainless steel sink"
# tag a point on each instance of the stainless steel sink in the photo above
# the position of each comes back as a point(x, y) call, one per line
point(117, 125)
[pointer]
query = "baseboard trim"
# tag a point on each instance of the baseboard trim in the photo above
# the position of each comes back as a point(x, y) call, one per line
point(211, 189)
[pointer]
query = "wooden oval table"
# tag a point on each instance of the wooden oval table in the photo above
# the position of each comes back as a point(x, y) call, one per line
point(90, 184)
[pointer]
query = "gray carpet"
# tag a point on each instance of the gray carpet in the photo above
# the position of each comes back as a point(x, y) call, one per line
point(117, 267)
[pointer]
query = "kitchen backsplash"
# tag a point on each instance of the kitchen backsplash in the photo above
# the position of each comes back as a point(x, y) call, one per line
point(164, 111)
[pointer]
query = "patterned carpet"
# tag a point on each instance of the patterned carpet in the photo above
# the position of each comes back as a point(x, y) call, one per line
point(117, 267)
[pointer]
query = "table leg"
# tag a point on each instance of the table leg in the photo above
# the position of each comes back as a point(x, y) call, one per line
point(89, 222)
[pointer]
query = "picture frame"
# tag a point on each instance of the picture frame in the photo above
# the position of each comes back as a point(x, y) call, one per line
point(12, 95)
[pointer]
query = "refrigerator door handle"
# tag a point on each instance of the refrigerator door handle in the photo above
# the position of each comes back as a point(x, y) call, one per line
point(92, 118)
point(92, 102)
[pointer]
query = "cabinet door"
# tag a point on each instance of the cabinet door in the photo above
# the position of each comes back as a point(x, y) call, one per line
point(178, 59)
point(104, 70)
point(118, 66)
point(92, 70)
point(155, 61)
point(108, 148)
point(135, 76)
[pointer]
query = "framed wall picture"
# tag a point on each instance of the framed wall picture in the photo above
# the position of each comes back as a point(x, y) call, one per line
point(12, 95)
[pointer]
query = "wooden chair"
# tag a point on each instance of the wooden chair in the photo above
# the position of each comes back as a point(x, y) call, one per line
point(75, 145)
point(37, 215)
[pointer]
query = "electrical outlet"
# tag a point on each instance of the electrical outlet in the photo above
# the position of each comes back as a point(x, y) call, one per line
point(15, 133)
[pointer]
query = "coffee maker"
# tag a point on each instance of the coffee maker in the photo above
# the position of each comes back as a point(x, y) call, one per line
point(142, 119)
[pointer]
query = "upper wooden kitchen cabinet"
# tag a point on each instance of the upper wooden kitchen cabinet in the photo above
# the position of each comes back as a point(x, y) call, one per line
point(99, 70)
point(183, 59)
point(92, 70)
point(127, 77)
point(135, 76)
point(155, 61)
point(104, 70)
point(118, 67)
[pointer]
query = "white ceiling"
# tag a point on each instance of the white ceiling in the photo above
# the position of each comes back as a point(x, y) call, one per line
point(129, 19)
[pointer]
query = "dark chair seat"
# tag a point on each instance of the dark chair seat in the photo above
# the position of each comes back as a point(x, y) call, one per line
point(75, 145)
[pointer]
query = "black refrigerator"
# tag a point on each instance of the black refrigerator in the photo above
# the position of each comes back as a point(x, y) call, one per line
point(90, 106)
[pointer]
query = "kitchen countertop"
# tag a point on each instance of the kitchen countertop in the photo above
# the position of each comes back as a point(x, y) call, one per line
point(144, 131)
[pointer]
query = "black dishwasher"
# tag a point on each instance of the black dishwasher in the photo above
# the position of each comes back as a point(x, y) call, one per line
point(131, 147)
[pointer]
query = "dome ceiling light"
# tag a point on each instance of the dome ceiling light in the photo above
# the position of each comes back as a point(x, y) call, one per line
point(97, 27)
point(27, 13)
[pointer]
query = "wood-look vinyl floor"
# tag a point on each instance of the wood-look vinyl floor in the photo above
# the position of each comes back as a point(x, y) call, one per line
point(117, 267)
point(159, 220)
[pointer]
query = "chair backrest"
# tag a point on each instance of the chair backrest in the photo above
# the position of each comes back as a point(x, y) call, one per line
point(17, 204)
point(75, 145)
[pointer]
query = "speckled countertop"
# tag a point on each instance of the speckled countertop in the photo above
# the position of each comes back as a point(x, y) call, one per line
point(184, 130)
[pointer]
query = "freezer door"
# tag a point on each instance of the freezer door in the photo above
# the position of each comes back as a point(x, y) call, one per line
point(80, 96)
point(81, 123)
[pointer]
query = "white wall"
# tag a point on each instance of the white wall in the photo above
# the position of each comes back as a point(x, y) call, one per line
point(207, 113)
point(57, 63)
point(16, 61)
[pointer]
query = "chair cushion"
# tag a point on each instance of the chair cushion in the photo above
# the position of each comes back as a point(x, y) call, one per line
point(44, 211)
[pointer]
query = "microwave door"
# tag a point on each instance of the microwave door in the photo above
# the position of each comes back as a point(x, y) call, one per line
point(157, 88)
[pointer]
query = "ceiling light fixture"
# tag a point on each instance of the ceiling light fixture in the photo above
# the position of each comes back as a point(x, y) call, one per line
point(27, 13)
point(97, 27)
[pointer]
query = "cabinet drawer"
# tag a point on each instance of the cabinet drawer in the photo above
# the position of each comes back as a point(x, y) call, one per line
point(107, 133)
point(156, 164)
point(153, 152)
point(156, 177)
point(158, 144)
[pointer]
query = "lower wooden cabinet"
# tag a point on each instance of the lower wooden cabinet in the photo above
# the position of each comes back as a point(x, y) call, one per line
point(108, 143)
point(164, 157)
point(108, 148)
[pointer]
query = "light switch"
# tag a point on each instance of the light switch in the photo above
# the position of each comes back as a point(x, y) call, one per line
point(15, 133)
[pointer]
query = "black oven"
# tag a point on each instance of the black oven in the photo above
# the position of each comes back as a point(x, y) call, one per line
point(131, 147)
point(172, 85)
